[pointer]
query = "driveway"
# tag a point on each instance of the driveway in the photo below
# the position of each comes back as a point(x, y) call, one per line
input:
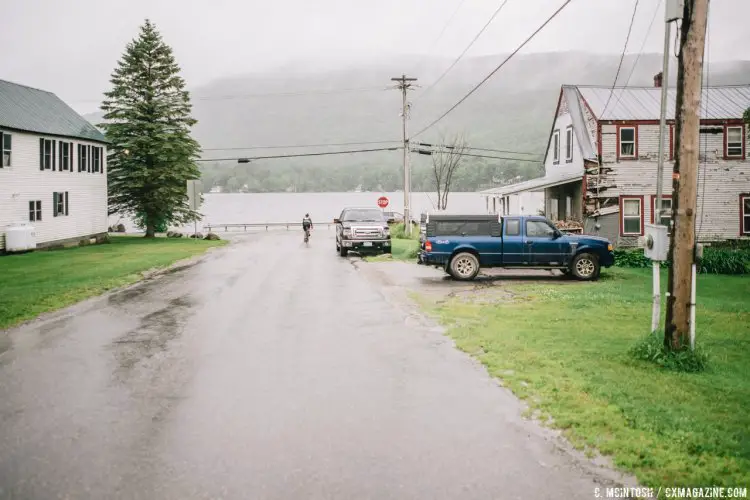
point(267, 371)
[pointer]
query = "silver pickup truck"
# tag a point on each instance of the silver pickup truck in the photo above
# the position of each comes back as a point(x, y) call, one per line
point(362, 230)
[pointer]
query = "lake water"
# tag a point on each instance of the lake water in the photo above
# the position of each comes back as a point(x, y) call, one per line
point(246, 208)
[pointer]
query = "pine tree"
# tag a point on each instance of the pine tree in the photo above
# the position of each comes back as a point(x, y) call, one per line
point(147, 119)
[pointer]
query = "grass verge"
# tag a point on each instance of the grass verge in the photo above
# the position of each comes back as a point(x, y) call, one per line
point(401, 249)
point(564, 348)
point(45, 281)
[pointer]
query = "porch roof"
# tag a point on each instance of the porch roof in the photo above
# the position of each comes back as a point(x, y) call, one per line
point(539, 184)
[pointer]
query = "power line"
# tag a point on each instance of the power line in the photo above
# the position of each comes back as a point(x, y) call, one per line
point(497, 11)
point(426, 144)
point(442, 31)
point(303, 154)
point(430, 153)
point(293, 146)
point(495, 70)
point(622, 57)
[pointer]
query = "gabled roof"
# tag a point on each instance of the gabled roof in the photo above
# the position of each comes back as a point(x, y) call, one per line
point(33, 110)
point(585, 146)
point(644, 103)
point(539, 184)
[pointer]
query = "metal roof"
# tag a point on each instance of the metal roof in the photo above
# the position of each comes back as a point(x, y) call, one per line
point(644, 103)
point(33, 110)
point(535, 184)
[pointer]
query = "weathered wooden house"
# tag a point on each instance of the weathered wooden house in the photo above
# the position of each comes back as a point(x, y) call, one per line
point(53, 168)
point(601, 161)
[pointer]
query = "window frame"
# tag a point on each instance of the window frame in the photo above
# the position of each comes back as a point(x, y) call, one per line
point(569, 143)
point(35, 210)
point(60, 200)
point(3, 149)
point(740, 156)
point(556, 146)
point(744, 231)
point(541, 222)
point(47, 155)
point(653, 209)
point(623, 199)
point(505, 226)
point(620, 155)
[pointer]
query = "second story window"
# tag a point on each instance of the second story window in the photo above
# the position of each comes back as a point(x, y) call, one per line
point(734, 146)
point(5, 149)
point(46, 154)
point(66, 148)
point(556, 146)
point(627, 142)
point(569, 144)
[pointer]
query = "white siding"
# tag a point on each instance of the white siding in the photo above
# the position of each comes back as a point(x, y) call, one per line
point(553, 169)
point(23, 181)
point(718, 200)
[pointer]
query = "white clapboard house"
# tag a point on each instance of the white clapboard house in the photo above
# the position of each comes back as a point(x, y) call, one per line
point(53, 173)
point(601, 162)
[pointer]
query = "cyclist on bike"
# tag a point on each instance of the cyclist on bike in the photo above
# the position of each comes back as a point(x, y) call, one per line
point(307, 225)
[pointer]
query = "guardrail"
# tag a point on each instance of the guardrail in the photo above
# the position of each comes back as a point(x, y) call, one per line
point(262, 225)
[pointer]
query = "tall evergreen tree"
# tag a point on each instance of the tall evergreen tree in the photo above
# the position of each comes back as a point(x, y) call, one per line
point(147, 119)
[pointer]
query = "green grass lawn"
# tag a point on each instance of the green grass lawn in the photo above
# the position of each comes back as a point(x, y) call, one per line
point(44, 281)
point(401, 249)
point(563, 347)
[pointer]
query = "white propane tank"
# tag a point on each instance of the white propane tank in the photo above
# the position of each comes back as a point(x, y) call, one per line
point(20, 237)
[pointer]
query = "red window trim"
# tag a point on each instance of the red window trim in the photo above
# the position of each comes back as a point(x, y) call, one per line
point(742, 221)
point(727, 126)
point(653, 204)
point(635, 136)
point(622, 213)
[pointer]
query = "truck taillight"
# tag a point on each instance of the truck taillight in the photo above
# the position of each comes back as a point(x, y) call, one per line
point(428, 246)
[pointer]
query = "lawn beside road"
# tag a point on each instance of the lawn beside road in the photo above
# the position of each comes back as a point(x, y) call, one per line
point(563, 347)
point(402, 247)
point(44, 281)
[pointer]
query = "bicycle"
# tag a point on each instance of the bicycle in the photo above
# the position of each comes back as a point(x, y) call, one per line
point(307, 236)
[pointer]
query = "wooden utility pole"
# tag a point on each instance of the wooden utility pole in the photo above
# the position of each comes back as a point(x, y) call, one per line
point(404, 83)
point(685, 174)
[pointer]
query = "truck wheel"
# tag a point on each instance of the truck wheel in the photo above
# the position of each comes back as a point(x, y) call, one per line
point(585, 267)
point(464, 266)
point(343, 251)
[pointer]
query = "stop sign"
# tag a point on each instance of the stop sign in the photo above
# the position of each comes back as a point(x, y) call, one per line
point(382, 202)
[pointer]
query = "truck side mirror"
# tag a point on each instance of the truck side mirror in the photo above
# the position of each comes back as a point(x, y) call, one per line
point(336, 221)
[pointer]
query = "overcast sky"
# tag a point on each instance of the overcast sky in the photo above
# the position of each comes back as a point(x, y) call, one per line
point(70, 47)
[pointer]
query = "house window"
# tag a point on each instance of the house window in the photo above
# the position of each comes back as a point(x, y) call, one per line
point(734, 145)
point(35, 211)
point(5, 147)
point(569, 144)
point(666, 211)
point(631, 210)
point(46, 154)
point(60, 203)
point(65, 150)
point(556, 146)
point(82, 158)
point(627, 142)
point(745, 213)
point(96, 158)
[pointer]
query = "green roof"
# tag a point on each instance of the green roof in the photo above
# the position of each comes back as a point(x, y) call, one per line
point(33, 110)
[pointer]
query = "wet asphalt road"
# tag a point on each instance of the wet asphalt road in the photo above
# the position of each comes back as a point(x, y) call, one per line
point(268, 370)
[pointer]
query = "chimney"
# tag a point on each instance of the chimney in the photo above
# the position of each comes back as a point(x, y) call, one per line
point(658, 79)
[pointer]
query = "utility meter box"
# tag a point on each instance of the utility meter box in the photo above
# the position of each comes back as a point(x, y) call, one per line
point(673, 12)
point(656, 245)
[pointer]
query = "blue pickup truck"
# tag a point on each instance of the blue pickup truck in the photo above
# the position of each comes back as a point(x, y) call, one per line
point(461, 244)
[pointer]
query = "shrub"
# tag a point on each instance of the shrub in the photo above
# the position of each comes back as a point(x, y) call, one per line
point(724, 258)
point(398, 232)
point(651, 349)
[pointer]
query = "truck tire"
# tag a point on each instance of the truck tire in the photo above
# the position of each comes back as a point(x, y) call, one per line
point(585, 267)
point(343, 251)
point(464, 266)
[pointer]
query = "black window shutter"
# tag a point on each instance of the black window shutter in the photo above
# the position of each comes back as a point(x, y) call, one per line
point(41, 154)
point(70, 146)
point(31, 211)
point(54, 143)
point(54, 204)
point(66, 203)
point(101, 169)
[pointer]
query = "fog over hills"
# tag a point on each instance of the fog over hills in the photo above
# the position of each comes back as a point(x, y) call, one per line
point(303, 103)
